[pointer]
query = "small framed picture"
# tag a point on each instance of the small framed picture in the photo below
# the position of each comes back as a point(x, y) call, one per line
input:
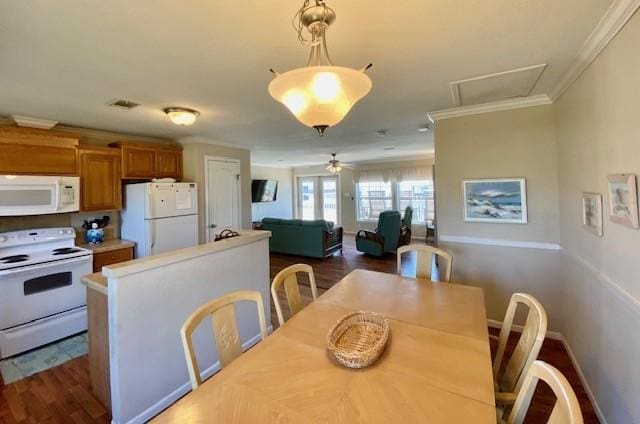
point(592, 212)
point(498, 200)
point(623, 200)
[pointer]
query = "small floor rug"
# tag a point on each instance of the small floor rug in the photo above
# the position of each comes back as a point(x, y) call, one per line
point(43, 358)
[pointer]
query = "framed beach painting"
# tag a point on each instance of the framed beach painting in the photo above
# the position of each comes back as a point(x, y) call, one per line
point(623, 200)
point(499, 200)
point(592, 212)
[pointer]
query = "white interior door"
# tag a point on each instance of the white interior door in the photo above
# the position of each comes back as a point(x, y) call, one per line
point(223, 196)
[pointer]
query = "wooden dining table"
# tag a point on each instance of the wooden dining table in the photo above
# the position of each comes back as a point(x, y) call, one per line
point(436, 367)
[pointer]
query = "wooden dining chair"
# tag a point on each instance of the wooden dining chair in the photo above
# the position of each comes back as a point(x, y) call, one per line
point(225, 329)
point(425, 259)
point(566, 409)
point(289, 278)
point(509, 381)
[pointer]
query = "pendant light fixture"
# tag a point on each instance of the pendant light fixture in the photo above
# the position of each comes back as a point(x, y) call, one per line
point(319, 95)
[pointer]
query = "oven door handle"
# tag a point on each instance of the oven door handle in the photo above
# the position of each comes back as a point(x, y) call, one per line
point(79, 259)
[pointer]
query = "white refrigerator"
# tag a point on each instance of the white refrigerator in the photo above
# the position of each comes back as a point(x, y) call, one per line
point(160, 217)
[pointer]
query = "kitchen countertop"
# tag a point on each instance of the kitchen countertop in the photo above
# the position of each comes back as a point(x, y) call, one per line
point(95, 281)
point(109, 245)
point(99, 281)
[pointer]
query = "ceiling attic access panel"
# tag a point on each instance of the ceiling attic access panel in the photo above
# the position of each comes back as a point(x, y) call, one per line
point(498, 86)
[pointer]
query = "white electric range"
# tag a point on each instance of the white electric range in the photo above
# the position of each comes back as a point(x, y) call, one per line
point(41, 297)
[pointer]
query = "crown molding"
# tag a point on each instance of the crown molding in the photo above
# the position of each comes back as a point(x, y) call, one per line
point(28, 121)
point(517, 103)
point(204, 140)
point(611, 23)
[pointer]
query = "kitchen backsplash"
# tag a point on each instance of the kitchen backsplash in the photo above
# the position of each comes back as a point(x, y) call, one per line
point(15, 223)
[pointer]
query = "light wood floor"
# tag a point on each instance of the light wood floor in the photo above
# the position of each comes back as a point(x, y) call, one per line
point(63, 394)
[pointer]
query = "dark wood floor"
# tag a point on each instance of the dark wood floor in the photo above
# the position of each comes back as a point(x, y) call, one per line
point(63, 394)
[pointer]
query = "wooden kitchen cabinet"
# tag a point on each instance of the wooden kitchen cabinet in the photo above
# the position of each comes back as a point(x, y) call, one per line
point(100, 185)
point(168, 163)
point(111, 257)
point(138, 162)
point(37, 152)
point(144, 161)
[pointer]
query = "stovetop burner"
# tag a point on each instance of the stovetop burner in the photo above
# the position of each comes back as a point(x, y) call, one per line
point(14, 258)
point(65, 250)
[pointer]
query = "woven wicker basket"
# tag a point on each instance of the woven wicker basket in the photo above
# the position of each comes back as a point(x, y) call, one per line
point(358, 339)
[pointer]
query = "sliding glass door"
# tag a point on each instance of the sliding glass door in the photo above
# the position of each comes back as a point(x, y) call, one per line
point(318, 198)
point(329, 198)
point(307, 198)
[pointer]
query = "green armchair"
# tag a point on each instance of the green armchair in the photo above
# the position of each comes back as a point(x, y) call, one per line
point(405, 229)
point(384, 239)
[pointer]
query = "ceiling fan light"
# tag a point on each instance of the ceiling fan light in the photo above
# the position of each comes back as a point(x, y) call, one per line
point(182, 116)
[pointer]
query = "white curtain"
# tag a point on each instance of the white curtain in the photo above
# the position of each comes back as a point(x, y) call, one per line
point(393, 174)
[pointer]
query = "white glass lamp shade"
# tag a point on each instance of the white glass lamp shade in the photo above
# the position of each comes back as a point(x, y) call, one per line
point(320, 96)
point(182, 116)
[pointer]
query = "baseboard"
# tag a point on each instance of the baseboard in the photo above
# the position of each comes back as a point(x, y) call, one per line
point(583, 380)
point(518, 329)
point(558, 336)
point(172, 397)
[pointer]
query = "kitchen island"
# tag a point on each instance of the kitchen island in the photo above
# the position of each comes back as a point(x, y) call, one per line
point(136, 309)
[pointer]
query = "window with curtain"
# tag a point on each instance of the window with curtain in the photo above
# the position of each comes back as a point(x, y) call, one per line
point(373, 198)
point(419, 195)
point(386, 189)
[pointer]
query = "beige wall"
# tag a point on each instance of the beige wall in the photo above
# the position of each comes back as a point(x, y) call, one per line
point(591, 287)
point(193, 169)
point(598, 134)
point(283, 206)
point(514, 143)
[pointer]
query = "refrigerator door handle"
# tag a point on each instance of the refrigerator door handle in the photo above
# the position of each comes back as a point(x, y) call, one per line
point(153, 234)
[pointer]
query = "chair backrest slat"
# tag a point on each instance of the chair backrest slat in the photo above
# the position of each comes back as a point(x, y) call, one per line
point(566, 409)
point(425, 260)
point(292, 291)
point(529, 344)
point(225, 329)
point(289, 279)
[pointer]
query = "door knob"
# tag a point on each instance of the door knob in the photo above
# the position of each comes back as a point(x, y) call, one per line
point(212, 226)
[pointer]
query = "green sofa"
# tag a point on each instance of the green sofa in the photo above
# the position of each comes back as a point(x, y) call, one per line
point(315, 239)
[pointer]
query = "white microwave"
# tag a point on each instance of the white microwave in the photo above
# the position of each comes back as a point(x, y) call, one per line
point(38, 195)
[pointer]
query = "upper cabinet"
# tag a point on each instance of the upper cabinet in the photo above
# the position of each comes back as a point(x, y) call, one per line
point(39, 152)
point(100, 185)
point(146, 160)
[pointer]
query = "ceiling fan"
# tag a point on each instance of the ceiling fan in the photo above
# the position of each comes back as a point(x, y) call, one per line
point(334, 166)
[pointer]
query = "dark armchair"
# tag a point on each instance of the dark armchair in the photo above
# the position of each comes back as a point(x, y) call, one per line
point(405, 229)
point(384, 239)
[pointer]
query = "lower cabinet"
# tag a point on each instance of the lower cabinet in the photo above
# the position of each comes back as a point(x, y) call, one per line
point(111, 257)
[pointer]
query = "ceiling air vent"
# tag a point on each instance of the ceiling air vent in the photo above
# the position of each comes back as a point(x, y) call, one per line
point(123, 104)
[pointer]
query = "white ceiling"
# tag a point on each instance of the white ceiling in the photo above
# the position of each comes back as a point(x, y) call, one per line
point(64, 60)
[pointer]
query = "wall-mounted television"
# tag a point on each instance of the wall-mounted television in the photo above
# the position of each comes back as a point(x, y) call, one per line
point(264, 190)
